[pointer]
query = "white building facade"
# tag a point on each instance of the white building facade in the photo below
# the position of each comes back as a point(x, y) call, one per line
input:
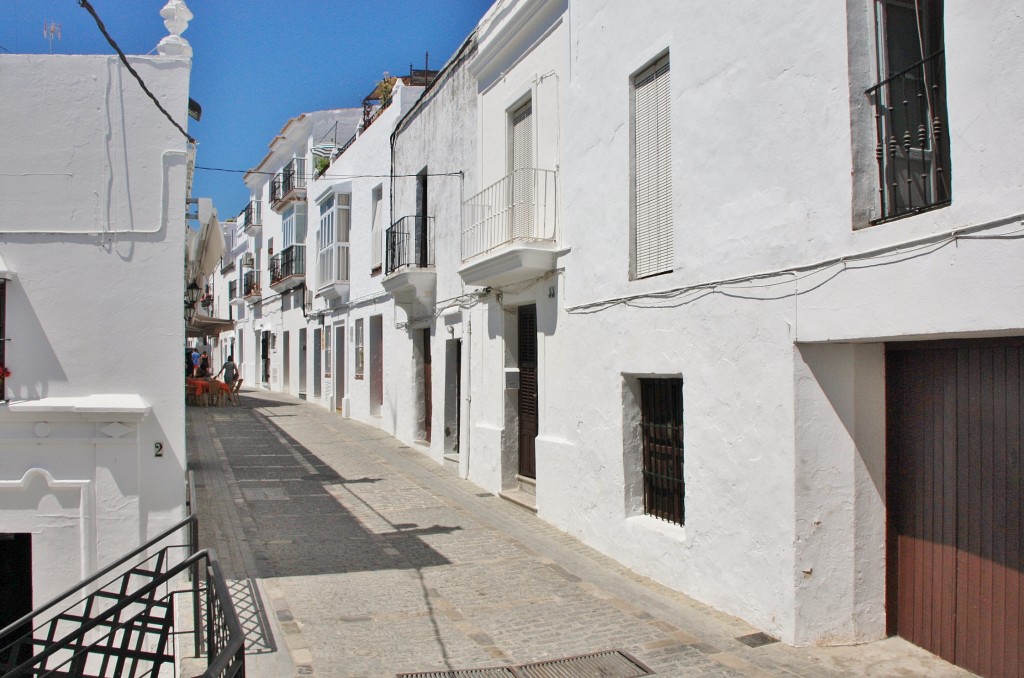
point(92, 235)
point(742, 314)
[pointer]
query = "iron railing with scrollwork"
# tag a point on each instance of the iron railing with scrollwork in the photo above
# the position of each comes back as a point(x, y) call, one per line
point(912, 148)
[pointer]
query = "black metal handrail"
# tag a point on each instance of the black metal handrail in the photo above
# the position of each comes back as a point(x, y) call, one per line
point(409, 243)
point(107, 630)
point(912, 142)
point(122, 642)
point(79, 587)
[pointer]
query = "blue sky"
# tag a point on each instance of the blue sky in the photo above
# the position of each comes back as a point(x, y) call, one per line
point(257, 63)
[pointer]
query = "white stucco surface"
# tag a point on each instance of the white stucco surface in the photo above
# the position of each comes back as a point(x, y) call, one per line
point(92, 180)
point(781, 297)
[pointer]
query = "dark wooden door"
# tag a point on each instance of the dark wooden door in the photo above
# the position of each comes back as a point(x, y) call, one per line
point(339, 368)
point(528, 424)
point(422, 206)
point(428, 405)
point(955, 552)
point(376, 364)
point(15, 592)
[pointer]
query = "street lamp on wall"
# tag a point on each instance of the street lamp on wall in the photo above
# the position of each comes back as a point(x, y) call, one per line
point(192, 293)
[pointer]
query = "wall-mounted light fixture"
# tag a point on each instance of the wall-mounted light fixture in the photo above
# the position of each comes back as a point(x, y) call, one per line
point(190, 311)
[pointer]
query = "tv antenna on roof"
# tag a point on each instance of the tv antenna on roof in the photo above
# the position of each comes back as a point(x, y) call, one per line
point(51, 30)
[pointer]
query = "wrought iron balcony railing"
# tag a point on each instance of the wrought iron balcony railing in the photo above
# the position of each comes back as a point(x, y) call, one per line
point(251, 285)
point(409, 243)
point(519, 207)
point(289, 179)
point(253, 215)
point(912, 147)
point(290, 262)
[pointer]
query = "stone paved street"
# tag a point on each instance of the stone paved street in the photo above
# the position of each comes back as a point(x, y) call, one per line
point(357, 556)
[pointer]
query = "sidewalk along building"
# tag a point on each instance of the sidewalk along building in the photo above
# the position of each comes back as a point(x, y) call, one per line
point(92, 233)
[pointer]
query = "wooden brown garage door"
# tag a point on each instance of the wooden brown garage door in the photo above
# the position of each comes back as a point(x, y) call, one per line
point(955, 415)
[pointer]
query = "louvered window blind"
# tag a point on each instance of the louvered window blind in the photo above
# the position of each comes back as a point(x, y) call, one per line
point(522, 178)
point(652, 169)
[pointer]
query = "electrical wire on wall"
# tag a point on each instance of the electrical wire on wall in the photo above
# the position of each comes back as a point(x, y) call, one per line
point(740, 286)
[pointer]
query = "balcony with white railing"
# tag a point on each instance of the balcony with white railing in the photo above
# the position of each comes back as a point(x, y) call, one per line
point(332, 271)
point(253, 219)
point(288, 269)
point(510, 229)
point(409, 273)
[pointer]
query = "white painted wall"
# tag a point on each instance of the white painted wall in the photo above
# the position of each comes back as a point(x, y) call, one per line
point(784, 434)
point(92, 224)
point(772, 317)
point(438, 135)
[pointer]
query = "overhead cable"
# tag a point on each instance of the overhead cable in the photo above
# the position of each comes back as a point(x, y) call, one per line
point(103, 29)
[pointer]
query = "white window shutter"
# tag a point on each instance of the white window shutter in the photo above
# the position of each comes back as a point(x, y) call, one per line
point(652, 167)
point(522, 179)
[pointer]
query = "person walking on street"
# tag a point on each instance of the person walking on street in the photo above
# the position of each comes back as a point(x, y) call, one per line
point(229, 369)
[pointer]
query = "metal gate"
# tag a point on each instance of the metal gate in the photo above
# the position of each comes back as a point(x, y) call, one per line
point(955, 552)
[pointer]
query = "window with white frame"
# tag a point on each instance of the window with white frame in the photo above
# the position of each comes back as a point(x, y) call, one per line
point(293, 225)
point(377, 232)
point(652, 236)
point(333, 238)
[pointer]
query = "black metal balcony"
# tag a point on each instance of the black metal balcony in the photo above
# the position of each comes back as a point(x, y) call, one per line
point(912, 147)
point(253, 216)
point(288, 184)
point(409, 243)
point(251, 288)
point(288, 268)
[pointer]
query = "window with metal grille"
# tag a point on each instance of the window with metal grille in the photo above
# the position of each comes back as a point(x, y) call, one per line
point(661, 423)
point(652, 237)
point(912, 137)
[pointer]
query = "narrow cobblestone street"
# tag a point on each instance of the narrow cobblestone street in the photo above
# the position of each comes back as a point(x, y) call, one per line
point(353, 555)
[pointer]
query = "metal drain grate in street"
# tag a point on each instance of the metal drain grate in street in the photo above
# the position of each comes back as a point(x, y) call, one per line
point(757, 639)
point(607, 664)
